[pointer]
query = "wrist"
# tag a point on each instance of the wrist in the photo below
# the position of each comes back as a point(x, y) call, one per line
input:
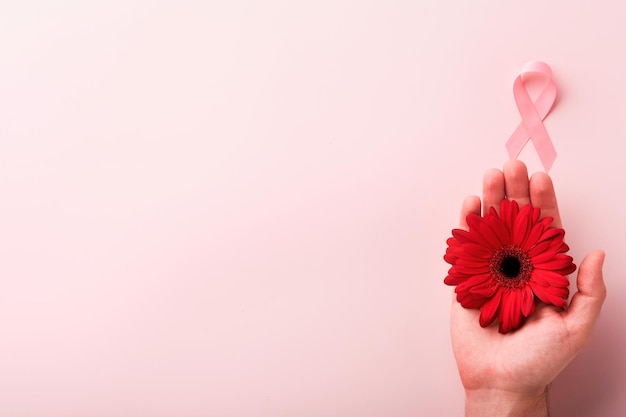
point(496, 403)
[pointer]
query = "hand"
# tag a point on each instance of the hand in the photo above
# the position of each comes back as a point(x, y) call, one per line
point(508, 374)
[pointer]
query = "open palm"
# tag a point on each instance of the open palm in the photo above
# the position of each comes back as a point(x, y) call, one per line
point(522, 363)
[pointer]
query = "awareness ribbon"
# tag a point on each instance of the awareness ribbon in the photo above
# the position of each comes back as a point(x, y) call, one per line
point(531, 126)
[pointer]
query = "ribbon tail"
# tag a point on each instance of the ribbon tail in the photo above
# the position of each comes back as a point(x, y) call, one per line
point(517, 141)
point(540, 138)
point(545, 150)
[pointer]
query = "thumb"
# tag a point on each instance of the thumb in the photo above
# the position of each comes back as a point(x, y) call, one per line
point(586, 304)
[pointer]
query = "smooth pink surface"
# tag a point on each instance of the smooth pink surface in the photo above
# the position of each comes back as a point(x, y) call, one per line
point(240, 208)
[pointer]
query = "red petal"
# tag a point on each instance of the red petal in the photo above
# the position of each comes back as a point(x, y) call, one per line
point(549, 278)
point(508, 213)
point(499, 228)
point(468, 284)
point(473, 263)
point(467, 270)
point(528, 301)
point(510, 314)
point(550, 295)
point(546, 222)
point(463, 236)
point(551, 233)
point(468, 300)
point(561, 292)
point(489, 309)
point(522, 225)
point(491, 236)
point(493, 213)
point(451, 259)
point(567, 270)
point(563, 248)
point(482, 233)
point(539, 249)
point(455, 273)
point(534, 235)
point(486, 289)
point(477, 250)
point(559, 261)
point(455, 250)
point(453, 280)
point(535, 214)
point(544, 257)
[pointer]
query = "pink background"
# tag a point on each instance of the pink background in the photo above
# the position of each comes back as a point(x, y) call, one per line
point(239, 208)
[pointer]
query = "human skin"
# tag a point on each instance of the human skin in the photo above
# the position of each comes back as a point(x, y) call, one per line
point(507, 375)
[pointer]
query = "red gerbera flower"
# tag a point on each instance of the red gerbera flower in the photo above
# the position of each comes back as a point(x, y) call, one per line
point(505, 262)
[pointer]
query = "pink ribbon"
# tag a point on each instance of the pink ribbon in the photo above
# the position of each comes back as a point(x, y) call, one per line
point(531, 126)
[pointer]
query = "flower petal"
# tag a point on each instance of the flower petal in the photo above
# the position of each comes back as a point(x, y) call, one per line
point(534, 215)
point(463, 236)
point(551, 233)
point(499, 228)
point(471, 262)
point(522, 225)
point(558, 262)
point(528, 301)
point(468, 284)
point(510, 314)
point(467, 270)
point(477, 251)
point(543, 257)
point(482, 232)
point(468, 300)
point(451, 259)
point(508, 213)
point(563, 248)
point(549, 278)
point(533, 237)
point(550, 295)
point(486, 289)
point(540, 248)
point(453, 280)
point(489, 309)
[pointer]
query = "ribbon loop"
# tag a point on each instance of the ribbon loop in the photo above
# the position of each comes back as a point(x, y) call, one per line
point(531, 127)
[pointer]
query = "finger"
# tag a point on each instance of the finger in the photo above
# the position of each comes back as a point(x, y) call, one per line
point(516, 183)
point(471, 204)
point(587, 302)
point(542, 195)
point(493, 189)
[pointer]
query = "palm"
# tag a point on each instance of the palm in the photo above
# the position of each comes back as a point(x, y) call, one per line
point(528, 359)
point(524, 361)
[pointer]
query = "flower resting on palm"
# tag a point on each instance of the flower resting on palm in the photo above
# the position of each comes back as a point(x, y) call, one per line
point(505, 263)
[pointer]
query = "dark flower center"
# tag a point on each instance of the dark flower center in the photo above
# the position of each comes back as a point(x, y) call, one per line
point(511, 266)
